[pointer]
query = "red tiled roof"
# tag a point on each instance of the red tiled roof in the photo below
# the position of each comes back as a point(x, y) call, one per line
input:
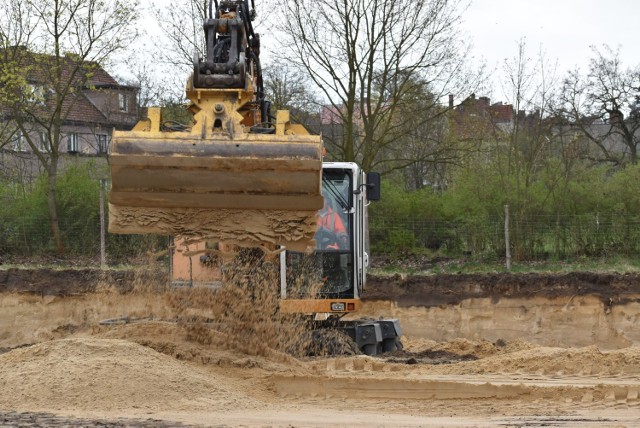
point(497, 112)
point(79, 109)
point(101, 77)
point(39, 68)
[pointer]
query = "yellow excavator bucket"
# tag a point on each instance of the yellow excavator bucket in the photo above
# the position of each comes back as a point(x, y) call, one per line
point(217, 180)
point(235, 174)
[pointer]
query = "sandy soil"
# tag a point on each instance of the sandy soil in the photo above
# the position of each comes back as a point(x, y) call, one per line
point(81, 349)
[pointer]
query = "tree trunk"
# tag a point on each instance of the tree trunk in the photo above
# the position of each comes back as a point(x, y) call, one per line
point(348, 143)
point(52, 175)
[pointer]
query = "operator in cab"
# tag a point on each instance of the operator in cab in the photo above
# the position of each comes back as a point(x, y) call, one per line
point(331, 234)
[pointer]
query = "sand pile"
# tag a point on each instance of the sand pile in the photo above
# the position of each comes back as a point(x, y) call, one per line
point(460, 346)
point(524, 357)
point(171, 339)
point(198, 355)
point(109, 374)
point(551, 361)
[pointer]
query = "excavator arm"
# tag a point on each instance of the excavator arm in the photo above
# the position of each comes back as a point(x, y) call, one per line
point(235, 174)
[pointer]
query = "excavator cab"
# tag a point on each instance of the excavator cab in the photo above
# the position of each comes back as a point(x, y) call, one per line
point(236, 173)
point(336, 270)
point(328, 270)
point(327, 284)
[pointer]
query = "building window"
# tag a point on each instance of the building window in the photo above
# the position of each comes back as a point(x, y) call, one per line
point(17, 142)
point(103, 144)
point(36, 94)
point(72, 143)
point(123, 101)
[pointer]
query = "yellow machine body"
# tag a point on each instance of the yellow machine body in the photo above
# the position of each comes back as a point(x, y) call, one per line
point(217, 179)
point(238, 176)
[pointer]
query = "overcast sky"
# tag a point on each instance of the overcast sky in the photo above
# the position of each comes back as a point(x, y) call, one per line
point(564, 28)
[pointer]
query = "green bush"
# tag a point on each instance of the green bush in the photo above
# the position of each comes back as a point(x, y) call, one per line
point(588, 211)
point(25, 228)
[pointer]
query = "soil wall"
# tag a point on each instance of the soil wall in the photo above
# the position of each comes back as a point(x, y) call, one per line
point(571, 310)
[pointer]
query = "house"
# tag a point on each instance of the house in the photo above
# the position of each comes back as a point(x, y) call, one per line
point(95, 106)
point(611, 138)
point(477, 118)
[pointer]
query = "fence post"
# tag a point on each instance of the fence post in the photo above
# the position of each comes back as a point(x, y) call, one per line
point(103, 255)
point(506, 237)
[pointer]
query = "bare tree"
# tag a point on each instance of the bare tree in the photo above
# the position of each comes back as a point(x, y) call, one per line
point(181, 37)
point(530, 85)
point(182, 32)
point(141, 75)
point(426, 149)
point(604, 107)
point(49, 50)
point(288, 88)
point(523, 156)
point(365, 56)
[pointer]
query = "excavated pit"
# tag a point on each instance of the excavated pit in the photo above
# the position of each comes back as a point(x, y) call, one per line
point(481, 350)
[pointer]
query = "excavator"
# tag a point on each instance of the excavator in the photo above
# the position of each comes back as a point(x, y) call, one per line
point(238, 176)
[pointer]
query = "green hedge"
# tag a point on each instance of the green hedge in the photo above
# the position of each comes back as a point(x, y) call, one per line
point(594, 212)
point(25, 229)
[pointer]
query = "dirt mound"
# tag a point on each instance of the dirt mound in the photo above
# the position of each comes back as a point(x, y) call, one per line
point(171, 339)
point(430, 352)
point(67, 282)
point(325, 342)
point(480, 357)
point(461, 346)
point(197, 355)
point(558, 361)
point(109, 374)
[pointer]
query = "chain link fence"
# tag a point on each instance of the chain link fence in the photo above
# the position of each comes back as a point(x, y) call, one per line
point(531, 238)
point(80, 240)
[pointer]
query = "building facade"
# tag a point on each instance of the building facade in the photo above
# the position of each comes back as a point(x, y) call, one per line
point(95, 106)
